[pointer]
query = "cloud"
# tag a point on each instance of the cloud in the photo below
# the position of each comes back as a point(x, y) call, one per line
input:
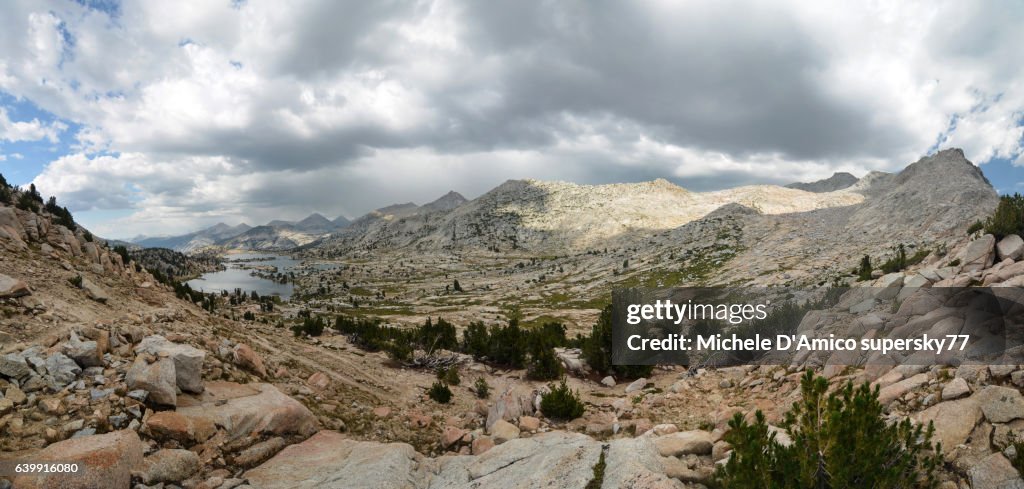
point(213, 109)
point(34, 130)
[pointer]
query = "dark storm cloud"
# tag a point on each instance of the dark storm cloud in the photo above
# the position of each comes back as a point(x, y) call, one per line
point(733, 78)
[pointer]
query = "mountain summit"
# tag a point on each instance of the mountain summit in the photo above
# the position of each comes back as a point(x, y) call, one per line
point(837, 181)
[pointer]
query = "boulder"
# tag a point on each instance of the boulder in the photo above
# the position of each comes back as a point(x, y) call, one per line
point(95, 292)
point(85, 353)
point(481, 444)
point(888, 286)
point(15, 395)
point(318, 381)
point(170, 465)
point(451, 436)
point(188, 361)
point(529, 423)
point(636, 385)
point(608, 381)
point(250, 408)
point(61, 370)
point(107, 461)
point(1010, 247)
point(331, 460)
point(978, 254)
point(954, 421)
point(994, 472)
point(695, 442)
point(1000, 404)
point(170, 425)
point(246, 358)
point(895, 391)
point(13, 365)
point(503, 431)
point(553, 460)
point(260, 452)
point(518, 400)
point(955, 389)
point(634, 463)
point(11, 287)
point(157, 379)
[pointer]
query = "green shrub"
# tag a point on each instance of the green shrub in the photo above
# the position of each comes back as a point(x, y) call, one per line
point(598, 480)
point(449, 375)
point(897, 262)
point(482, 390)
point(76, 281)
point(5, 190)
point(312, 326)
point(864, 271)
point(440, 393)
point(840, 441)
point(597, 351)
point(543, 365)
point(977, 226)
point(561, 403)
point(1008, 217)
point(27, 203)
point(437, 336)
point(476, 340)
point(1018, 457)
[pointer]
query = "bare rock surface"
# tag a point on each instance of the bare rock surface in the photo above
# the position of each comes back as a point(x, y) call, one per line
point(107, 461)
point(250, 408)
point(331, 460)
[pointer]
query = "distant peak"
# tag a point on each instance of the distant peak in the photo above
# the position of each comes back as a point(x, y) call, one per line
point(838, 181)
point(448, 201)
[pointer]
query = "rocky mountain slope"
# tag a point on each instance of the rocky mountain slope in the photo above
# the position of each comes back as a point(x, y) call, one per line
point(194, 241)
point(837, 181)
point(276, 235)
point(555, 217)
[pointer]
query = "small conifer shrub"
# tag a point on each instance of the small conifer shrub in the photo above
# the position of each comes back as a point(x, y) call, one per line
point(839, 441)
point(561, 403)
point(440, 393)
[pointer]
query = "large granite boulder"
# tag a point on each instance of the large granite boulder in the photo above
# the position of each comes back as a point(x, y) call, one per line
point(332, 460)
point(188, 360)
point(157, 378)
point(242, 409)
point(105, 460)
point(11, 287)
point(978, 254)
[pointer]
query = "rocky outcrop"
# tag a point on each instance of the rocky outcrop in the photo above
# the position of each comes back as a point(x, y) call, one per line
point(1010, 248)
point(188, 360)
point(248, 359)
point(106, 461)
point(250, 408)
point(156, 378)
point(331, 460)
point(11, 288)
point(978, 255)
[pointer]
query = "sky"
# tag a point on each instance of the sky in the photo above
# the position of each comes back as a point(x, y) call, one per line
point(159, 117)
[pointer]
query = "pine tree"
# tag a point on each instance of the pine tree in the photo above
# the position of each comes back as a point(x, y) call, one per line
point(839, 441)
point(864, 271)
point(1008, 217)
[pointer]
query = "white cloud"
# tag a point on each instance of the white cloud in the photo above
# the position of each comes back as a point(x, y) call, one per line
point(326, 105)
point(33, 130)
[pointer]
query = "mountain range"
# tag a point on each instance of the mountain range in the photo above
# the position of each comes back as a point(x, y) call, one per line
point(548, 217)
point(286, 234)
